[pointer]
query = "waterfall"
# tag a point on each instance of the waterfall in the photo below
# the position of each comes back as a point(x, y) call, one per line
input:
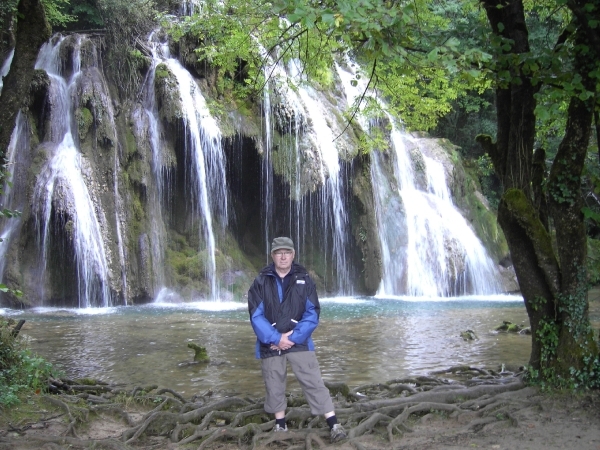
point(61, 192)
point(147, 126)
point(428, 247)
point(304, 121)
point(439, 254)
point(335, 216)
point(121, 244)
point(190, 7)
point(167, 182)
point(266, 166)
point(204, 162)
point(19, 141)
point(6, 67)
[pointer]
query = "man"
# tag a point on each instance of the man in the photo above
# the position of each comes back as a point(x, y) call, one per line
point(284, 312)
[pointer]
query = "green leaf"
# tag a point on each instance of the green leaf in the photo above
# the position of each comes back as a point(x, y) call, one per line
point(590, 214)
point(328, 18)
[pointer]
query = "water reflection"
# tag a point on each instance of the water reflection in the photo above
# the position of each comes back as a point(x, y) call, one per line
point(360, 340)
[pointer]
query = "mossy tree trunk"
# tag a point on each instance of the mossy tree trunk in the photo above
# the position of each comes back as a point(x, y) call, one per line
point(32, 31)
point(549, 262)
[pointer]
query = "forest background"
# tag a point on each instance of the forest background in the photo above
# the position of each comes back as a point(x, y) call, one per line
point(514, 83)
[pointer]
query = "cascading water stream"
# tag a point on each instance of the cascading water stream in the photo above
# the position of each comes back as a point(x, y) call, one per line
point(333, 200)
point(19, 141)
point(267, 166)
point(306, 119)
point(428, 248)
point(6, 67)
point(61, 184)
point(204, 159)
point(207, 174)
point(443, 255)
point(122, 250)
point(147, 126)
point(277, 82)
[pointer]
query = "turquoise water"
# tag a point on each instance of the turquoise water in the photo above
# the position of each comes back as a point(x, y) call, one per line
point(359, 340)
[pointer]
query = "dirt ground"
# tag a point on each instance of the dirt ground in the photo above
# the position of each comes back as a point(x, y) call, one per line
point(523, 419)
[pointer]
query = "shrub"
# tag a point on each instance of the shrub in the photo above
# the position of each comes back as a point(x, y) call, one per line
point(21, 370)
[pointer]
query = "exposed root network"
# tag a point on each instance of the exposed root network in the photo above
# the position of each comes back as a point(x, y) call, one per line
point(161, 418)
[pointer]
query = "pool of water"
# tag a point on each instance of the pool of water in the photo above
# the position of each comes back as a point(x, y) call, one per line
point(359, 340)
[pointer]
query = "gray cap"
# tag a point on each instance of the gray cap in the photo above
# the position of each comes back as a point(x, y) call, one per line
point(282, 242)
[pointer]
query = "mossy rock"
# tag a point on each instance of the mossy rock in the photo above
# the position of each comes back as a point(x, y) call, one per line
point(167, 94)
point(84, 119)
point(468, 335)
point(509, 327)
point(200, 353)
point(338, 388)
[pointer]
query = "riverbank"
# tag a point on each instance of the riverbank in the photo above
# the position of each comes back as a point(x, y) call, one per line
point(485, 410)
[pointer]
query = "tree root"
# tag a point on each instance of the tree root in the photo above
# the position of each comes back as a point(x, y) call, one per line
point(386, 409)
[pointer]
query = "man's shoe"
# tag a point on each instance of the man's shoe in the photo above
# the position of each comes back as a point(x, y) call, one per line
point(278, 429)
point(337, 433)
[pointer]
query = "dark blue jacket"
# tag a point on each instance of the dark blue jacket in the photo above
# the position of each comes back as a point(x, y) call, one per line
point(274, 312)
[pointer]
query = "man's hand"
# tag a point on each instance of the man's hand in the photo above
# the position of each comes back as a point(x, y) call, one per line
point(284, 342)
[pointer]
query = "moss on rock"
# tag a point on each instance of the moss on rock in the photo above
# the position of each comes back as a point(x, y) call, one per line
point(84, 119)
point(167, 94)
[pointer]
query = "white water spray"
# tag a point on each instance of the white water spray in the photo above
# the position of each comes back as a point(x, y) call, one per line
point(6, 67)
point(428, 248)
point(61, 185)
point(19, 141)
point(307, 124)
point(206, 162)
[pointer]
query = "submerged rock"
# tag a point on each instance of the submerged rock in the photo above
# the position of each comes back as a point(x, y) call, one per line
point(510, 327)
point(200, 354)
point(468, 335)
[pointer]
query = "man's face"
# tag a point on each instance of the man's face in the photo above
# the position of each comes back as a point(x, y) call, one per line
point(282, 259)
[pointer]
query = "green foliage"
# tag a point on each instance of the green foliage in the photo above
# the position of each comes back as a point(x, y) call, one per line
point(8, 214)
point(562, 191)
point(589, 376)
point(86, 14)
point(56, 12)
point(593, 261)
point(471, 114)
point(59, 13)
point(126, 21)
point(20, 369)
point(547, 335)
point(8, 9)
point(573, 310)
point(488, 180)
point(409, 58)
point(591, 195)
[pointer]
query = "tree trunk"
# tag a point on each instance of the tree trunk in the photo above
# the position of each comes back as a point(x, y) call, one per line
point(552, 281)
point(32, 31)
point(534, 262)
point(515, 101)
point(565, 204)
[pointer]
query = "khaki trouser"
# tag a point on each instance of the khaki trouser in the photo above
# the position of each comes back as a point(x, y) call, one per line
point(306, 368)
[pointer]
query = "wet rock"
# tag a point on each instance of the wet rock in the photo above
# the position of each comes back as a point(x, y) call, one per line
point(338, 388)
point(167, 94)
point(509, 327)
point(468, 335)
point(200, 354)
